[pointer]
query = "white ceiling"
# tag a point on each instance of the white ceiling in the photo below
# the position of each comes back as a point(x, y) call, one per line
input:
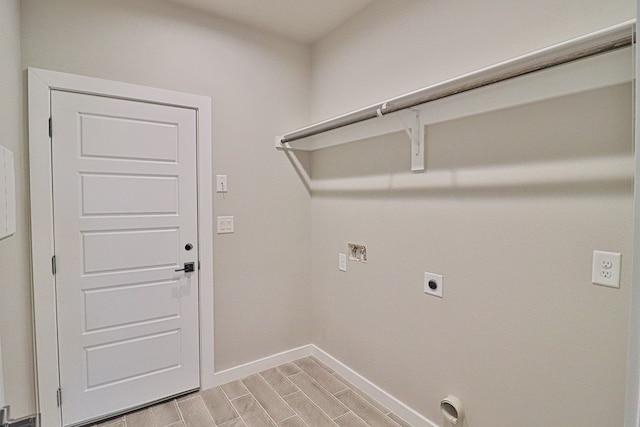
point(305, 21)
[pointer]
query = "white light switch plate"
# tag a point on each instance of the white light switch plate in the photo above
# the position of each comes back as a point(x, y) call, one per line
point(225, 224)
point(221, 184)
point(342, 262)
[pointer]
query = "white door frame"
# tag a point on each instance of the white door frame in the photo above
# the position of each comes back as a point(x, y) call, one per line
point(40, 84)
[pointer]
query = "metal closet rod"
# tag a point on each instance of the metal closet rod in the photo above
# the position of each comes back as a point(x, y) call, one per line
point(607, 40)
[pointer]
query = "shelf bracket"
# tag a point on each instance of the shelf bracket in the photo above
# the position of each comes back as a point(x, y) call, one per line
point(416, 135)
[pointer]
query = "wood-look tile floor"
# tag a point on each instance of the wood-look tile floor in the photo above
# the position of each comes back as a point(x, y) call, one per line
point(305, 393)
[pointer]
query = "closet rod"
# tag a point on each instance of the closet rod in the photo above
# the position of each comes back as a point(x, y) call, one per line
point(603, 41)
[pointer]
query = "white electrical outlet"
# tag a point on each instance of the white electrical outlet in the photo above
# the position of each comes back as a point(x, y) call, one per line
point(433, 284)
point(606, 269)
point(342, 262)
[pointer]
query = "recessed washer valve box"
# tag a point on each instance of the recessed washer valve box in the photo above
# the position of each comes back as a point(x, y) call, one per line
point(357, 252)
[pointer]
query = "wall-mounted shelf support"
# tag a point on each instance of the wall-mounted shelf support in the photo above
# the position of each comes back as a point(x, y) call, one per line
point(596, 60)
point(416, 134)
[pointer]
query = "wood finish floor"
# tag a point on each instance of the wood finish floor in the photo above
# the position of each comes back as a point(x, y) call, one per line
point(305, 393)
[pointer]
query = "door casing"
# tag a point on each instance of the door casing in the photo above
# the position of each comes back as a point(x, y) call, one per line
point(40, 84)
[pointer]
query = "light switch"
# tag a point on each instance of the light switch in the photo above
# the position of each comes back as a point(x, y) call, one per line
point(342, 262)
point(221, 184)
point(225, 224)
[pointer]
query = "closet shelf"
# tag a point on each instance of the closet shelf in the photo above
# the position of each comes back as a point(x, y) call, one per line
point(596, 60)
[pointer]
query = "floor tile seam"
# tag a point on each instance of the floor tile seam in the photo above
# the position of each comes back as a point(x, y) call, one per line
point(291, 407)
point(273, 388)
point(233, 408)
point(262, 407)
point(315, 404)
point(357, 395)
point(153, 414)
point(317, 407)
point(276, 393)
point(287, 395)
point(239, 414)
point(357, 416)
point(345, 414)
point(371, 406)
point(205, 408)
point(180, 412)
point(323, 388)
point(358, 392)
point(317, 382)
point(395, 420)
point(322, 365)
point(285, 375)
point(227, 396)
point(328, 394)
point(293, 416)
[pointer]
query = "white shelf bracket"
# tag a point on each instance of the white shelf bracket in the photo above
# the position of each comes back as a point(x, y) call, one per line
point(416, 135)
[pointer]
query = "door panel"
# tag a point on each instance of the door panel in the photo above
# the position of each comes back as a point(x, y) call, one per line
point(130, 359)
point(109, 251)
point(124, 184)
point(99, 302)
point(102, 194)
point(128, 138)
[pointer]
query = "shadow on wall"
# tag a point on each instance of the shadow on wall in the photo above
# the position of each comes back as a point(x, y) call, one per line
point(566, 143)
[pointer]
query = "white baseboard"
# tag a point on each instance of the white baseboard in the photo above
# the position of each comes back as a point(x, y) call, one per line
point(247, 369)
point(394, 405)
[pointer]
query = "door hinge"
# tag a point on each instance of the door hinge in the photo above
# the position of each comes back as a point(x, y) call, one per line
point(50, 127)
point(59, 397)
point(54, 266)
point(198, 264)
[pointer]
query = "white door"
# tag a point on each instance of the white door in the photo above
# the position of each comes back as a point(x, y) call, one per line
point(125, 220)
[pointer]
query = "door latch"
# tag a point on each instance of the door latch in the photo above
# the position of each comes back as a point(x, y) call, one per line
point(189, 267)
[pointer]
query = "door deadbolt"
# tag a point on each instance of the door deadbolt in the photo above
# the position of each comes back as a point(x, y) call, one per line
point(188, 246)
point(189, 267)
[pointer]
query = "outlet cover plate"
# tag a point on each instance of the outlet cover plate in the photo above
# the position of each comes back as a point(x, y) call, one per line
point(606, 269)
point(434, 288)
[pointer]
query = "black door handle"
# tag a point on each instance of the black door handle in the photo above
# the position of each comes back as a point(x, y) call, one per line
point(189, 267)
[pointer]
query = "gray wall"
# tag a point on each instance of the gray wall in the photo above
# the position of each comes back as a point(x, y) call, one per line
point(510, 344)
point(521, 336)
point(15, 264)
point(259, 85)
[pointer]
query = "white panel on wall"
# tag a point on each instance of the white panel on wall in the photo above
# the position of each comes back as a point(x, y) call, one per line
point(7, 194)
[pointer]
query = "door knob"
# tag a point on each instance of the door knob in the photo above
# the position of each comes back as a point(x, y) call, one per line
point(188, 267)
